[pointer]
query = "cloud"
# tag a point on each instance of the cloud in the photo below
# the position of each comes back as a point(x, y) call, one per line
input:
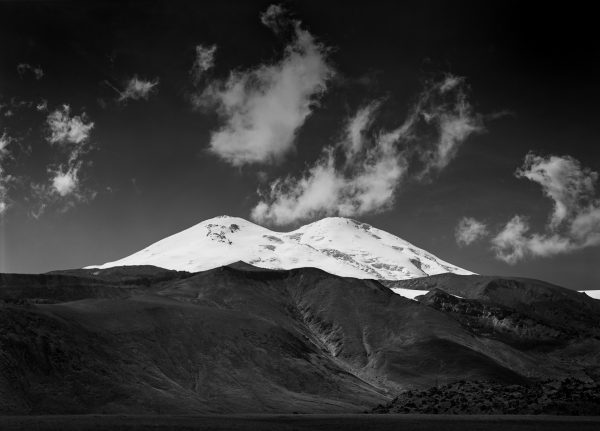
point(563, 180)
point(64, 190)
point(469, 230)
point(5, 141)
point(66, 182)
point(42, 105)
point(363, 171)
point(24, 68)
point(5, 178)
point(137, 89)
point(455, 121)
point(275, 18)
point(327, 190)
point(262, 108)
point(70, 134)
point(67, 129)
point(356, 128)
point(574, 222)
point(205, 60)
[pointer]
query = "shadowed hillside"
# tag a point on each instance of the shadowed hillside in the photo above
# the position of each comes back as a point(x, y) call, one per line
point(243, 339)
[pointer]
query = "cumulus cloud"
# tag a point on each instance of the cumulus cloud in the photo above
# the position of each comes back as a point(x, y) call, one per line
point(138, 89)
point(24, 68)
point(66, 129)
point(574, 222)
point(362, 172)
point(205, 60)
point(262, 108)
point(470, 230)
point(65, 181)
point(70, 134)
point(327, 190)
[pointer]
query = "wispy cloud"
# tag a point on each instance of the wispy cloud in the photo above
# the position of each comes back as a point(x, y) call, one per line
point(5, 178)
point(262, 108)
point(574, 222)
point(363, 171)
point(42, 105)
point(5, 141)
point(204, 61)
point(275, 17)
point(24, 68)
point(454, 119)
point(469, 230)
point(138, 89)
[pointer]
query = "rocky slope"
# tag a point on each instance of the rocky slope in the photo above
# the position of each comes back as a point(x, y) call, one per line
point(551, 397)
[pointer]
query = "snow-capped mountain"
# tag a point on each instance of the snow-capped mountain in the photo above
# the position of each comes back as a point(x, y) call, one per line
point(337, 245)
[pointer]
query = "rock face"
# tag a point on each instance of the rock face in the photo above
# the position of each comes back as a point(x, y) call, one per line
point(245, 339)
point(551, 397)
point(337, 245)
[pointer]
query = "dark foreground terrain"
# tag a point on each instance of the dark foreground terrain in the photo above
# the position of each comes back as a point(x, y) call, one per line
point(569, 397)
point(300, 423)
point(241, 340)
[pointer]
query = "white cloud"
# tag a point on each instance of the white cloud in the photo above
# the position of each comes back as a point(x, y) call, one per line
point(5, 178)
point(513, 243)
point(574, 222)
point(263, 108)
point(563, 180)
point(5, 141)
point(67, 129)
point(205, 60)
point(327, 190)
point(71, 135)
point(137, 89)
point(66, 182)
point(356, 128)
point(454, 119)
point(362, 172)
point(64, 190)
point(470, 230)
point(3, 191)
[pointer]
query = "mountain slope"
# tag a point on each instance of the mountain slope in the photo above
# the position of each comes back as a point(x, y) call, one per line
point(245, 339)
point(231, 339)
point(337, 245)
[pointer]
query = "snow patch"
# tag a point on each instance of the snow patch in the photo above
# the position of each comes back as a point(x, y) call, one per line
point(591, 293)
point(409, 293)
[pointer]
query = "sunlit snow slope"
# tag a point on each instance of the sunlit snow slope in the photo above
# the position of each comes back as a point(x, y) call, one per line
point(592, 293)
point(337, 245)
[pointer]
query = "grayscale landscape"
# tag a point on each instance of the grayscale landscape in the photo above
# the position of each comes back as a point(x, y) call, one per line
point(299, 215)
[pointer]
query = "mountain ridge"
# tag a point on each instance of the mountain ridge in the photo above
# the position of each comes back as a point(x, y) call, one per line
point(337, 245)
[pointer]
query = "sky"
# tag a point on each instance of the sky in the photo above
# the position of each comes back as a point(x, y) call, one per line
point(468, 129)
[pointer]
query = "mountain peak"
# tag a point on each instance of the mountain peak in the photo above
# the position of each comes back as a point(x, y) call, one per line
point(338, 245)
